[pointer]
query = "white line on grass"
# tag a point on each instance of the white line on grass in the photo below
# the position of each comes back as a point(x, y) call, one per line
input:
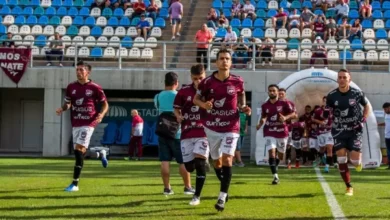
point(332, 202)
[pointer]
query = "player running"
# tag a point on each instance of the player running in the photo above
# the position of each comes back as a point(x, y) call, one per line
point(350, 110)
point(323, 119)
point(82, 97)
point(313, 140)
point(194, 145)
point(274, 114)
point(224, 97)
point(305, 141)
point(297, 137)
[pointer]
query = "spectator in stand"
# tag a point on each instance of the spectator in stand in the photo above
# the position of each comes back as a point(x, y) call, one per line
point(139, 8)
point(319, 28)
point(280, 19)
point(267, 50)
point(101, 4)
point(356, 30)
point(212, 18)
point(316, 3)
point(342, 10)
point(137, 126)
point(143, 27)
point(230, 38)
point(319, 51)
point(127, 3)
point(9, 42)
point(202, 39)
point(294, 20)
point(366, 9)
point(328, 4)
point(239, 52)
point(344, 28)
point(331, 28)
point(248, 10)
point(115, 3)
point(236, 9)
point(56, 48)
point(176, 12)
point(306, 18)
point(222, 21)
point(152, 9)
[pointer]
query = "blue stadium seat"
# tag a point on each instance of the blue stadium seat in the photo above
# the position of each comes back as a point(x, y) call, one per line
point(89, 3)
point(348, 55)
point(135, 21)
point(377, 14)
point(12, 2)
point(351, 21)
point(353, 14)
point(227, 13)
point(165, 4)
point(353, 5)
point(318, 12)
point(84, 11)
point(258, 33)
point(235, 23)
point(35, 2)
point(387, 14)
point(3, 2)
point(32, 20)
point(221, 32)
point(307, 4)
point(386, 5)
point(160, 22)
point(237, 31)
point(293, 44)
point(125, 21)
point(67, 3)
point(217, 4)
point(5, 10)
point(330, 13)
point(127, 42)
point(90, 21)
point(367, 23)
point(78, 3)
point(22, 3)
point(163, 13)
point(110, 134)
point(16, 10)
point(28, 11)
point(217, 12)
point(247, 23)
point(51, 11)
point(259, 23)
point(376, 5)
point(96, 31)
point(20, 20)
point(43, 20)
point(96, 52)
point(118, 12)
point(55, 20)
point(387, 25)
point(1, 20)
point(271, 13)
point(261, 13)
point(72, 31)
point(73, 12)
point(113, 21)
point(40, 41)
point(3, 29)
point(262, 5)
point(124, 132)
point(39, 11)
point(227, 5)
point(147, 3)
point(357, 44)
point(107, 12)
point(296, 5)
point(78, 21)
point(381, 34)
point(56, 3)
point(284, 4)
point(62, 11)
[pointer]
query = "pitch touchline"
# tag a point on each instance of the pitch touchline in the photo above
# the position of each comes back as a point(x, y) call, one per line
point(330, 198)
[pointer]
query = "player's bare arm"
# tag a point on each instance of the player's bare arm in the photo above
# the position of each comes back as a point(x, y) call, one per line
point(321, 122)
point(179, 116)
point(261, 123)
point(103, 112)
point(64, 107)
point(208, 105)
point(242, 103)
point(284, 118)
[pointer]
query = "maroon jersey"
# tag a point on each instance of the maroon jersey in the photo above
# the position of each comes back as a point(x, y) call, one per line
point(273, 127)
point(224, 116)
point(319, 27)
point(84, 98)
point(319, 115)
point(191, 126)
point(294, 110)
point(307, 119)
point(313, 128)
point(298, 130)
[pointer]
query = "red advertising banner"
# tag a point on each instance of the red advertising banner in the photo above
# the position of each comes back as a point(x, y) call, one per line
point(14, 61)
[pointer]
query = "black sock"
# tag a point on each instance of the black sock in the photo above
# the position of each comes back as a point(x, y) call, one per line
point(304, 155)
point(78, 166)
point(76, 175)
point(329, 160)
point(288, 154)
point(334, 158)
point(200, 166)
point(277, 164)
point(298, 154)
point(226, 178)
point(218, 172)
point(272, 165)
point(313, 153)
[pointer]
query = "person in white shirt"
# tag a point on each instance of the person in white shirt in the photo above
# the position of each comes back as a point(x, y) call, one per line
point(386, 123)
point(294, 20)
point(342, 10)
point(230, 38)
point(248, 10)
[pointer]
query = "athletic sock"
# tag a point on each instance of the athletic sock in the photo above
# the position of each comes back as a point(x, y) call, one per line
point(298, 154)
point(344, 172)
point(218, 172)
point(277, 164)
point(288, 154)
point(334, 158)
point(272, 165)
point(200, 175)
point(226, 178)
point(329, 160)
point(76, 175)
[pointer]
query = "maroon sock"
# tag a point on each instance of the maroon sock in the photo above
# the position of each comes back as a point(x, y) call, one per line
point(344, 172)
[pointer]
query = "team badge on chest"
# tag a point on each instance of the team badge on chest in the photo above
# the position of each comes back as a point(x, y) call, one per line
point(231, 90)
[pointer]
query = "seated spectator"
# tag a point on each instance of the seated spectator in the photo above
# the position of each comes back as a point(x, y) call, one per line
point(248, 10)
point(139, 8)
point(223, 21)
point(267, 50)
point(230, 38)
point(212, 18)
point(280, 19)
point(328, 4)
point(236, 9)
point(240, 52)
point(315, 4)
point(294, 20)
point(152, 9)
point(176, 14)
point(127, 3)
point(319, 28)
point(101, 4)
point(56, 48)
point(331, 28)
point(355, 30)
point(9, 42)
point(250, 52)
point(143, 27)
point(342, 10)
point(306, 18)
point(343, 30)
point(319, 51)
point(115, 3)
point(366, 9)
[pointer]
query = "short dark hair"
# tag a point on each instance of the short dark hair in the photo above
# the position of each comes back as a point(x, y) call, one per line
point(307, 106)
point(344, 70)
point(282, 90)
point(171, 78)
point(273, 85)
point(224, 50)
point(197, 69)
point(82, 63)
point(386, 105)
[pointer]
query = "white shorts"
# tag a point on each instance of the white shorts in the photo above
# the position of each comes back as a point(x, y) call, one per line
point(278, 143)
point(313, 143)
point(82, 135)
point(325, 139)
point(192, 146)
point(290, 141)
point(221, 143)
point(297, 144)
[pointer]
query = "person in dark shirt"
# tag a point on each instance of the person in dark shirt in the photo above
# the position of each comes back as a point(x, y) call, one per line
point(9, 42)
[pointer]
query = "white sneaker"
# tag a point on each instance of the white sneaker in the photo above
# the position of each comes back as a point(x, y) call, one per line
point(173, 38)
point(326, 68)
point(270, 63)
point(48, 64)
point(178, 34)
point(263, 63)
point(60, 65)
point(195, 201)
point(312, 67)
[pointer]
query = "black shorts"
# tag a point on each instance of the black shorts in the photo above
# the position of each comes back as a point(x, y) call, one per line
point(351, 142)
point(169, 149)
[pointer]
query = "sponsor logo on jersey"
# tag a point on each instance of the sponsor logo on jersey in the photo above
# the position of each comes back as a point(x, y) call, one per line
point(336, 103)
point(79, 101)
point(189, 98)
point(279, 108)
point(352, 102)
point(220, 103)
point(274, 118)
point(88, 92)
point(73, 92)
point(195, 108)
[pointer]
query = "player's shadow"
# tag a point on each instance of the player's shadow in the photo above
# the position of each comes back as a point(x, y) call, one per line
point(45, 189)
point(77, 196)
point(156, 184)
point(311, 218)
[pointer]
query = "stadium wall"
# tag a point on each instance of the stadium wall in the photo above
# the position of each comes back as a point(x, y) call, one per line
point(56, 130)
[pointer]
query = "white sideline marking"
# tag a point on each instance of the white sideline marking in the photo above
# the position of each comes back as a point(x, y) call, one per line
point(332, 202)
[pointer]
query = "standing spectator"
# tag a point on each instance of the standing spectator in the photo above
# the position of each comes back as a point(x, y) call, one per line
point(137, 127)
point(319, 28)
point(267, 50)
point(202, 39)
point(139, 8)
point(319, 51)
point(176, 12)
point(342, 10)
point(386, 123)
point(143, 27)
point(9, 42)
point(240, 142)
point(248, 10)
point(230, 38)
point(280, 17)
point(366, 9)
point(294, 20)
point(356, 30)
point(236, 9)
point(239, 52)
point(331, 28)
point(56, 48)
point(101, 4)
point(306, 18)
point(152, 9)
point(212, 18)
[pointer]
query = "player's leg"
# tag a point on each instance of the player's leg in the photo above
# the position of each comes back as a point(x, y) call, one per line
point(201, 152)
point(270, 145)
point(177, 154)
point(288, 156)
point(139, 147)
point(281, 145)
point(237, 155)
point(354, 146)
point(297, 146)
point(329, 151)
point(214, 140)
point(165, 156)
point(313, 145)
point(187, 149)
point(341, 151)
